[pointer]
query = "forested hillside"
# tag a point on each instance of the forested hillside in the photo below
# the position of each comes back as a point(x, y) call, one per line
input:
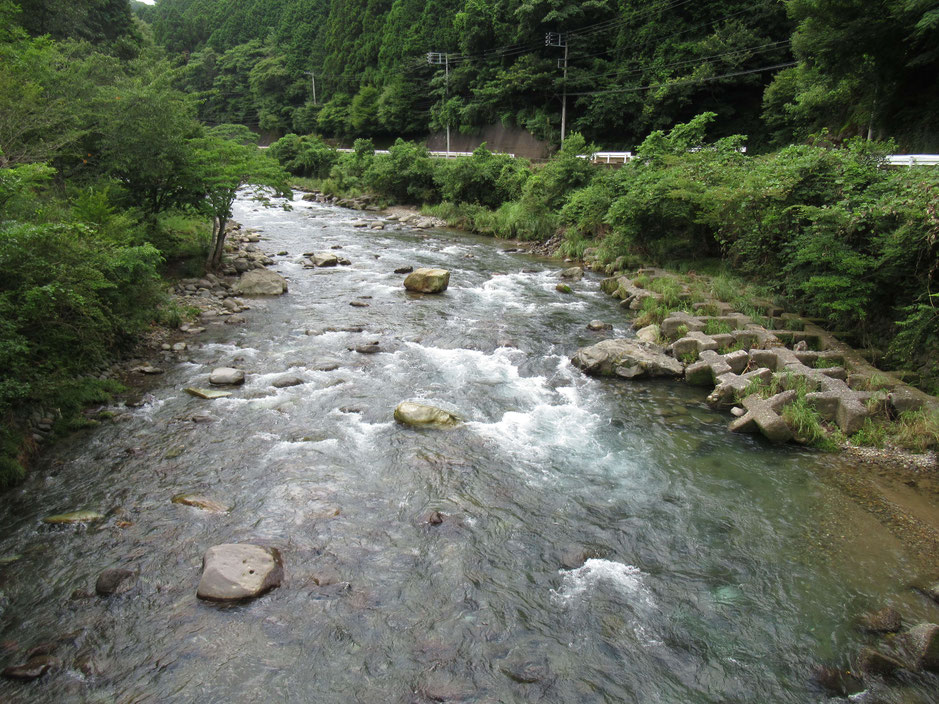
point(777, 71)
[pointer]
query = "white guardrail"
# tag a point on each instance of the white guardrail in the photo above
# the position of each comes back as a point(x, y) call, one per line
point(913, 160)
point(891, 160)
point(623, 157)
point(439, 155)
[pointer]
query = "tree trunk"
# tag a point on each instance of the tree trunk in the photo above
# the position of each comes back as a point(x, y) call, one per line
point(218, 239)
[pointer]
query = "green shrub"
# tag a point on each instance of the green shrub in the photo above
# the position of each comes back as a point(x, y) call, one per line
point(483, 179)
point(307, 156)
point(405, 174)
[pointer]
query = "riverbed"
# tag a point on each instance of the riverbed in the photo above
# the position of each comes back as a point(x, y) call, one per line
point(602, 541)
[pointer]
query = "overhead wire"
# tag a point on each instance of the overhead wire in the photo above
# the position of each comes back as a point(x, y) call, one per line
point(671, 84)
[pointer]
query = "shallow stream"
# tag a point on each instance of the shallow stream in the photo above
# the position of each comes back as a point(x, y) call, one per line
point(720, 569)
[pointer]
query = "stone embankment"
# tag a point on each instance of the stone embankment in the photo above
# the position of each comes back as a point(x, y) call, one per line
point(756, 368)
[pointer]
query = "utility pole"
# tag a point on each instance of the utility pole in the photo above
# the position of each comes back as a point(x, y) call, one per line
point(560, 40)
point(436, 57)
point(313, 80)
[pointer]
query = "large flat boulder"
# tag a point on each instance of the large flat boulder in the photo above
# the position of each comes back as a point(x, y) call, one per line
point(260, 282)
point(238, 571)
point(427, 280)
point(324, 259)
point(422, 414)
point(629, 359)
point(226, 376)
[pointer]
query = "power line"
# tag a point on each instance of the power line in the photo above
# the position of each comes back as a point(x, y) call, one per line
point(752, 50)
point(688, 81)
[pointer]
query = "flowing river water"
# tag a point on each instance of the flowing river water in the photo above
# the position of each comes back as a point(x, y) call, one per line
point(720, 569)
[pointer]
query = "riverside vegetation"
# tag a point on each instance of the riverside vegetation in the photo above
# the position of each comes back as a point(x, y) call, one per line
point(108, 183)
point(824, 228)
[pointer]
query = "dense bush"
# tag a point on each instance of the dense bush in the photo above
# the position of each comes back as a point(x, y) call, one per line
point(405, 174)
point(483, 179)
point(306, 156)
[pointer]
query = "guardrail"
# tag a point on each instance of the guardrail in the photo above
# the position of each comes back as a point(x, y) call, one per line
point(891, 160)
point(913, 160)
point(624, 157)
point(437, 155)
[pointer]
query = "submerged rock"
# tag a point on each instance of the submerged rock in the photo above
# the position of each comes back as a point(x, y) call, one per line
point(598, 325)
point(260, 282)
point(626, 358)
point(74, 517)
point(115, 581)
point(872, 662)
point(201, 502)
point(404, 270)
point(227, 376)
point(837, 682)
point(427, 280)
point(282, 382)
point(887, 620)
point(420, 414)
point(33, 669)
point(923, 641)
point(237, 571)
point(563, 288)
point(575, 273)
point(207, 394)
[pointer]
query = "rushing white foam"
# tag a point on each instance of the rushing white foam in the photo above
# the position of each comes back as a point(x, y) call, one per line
point(579, 585)
point(594, 572)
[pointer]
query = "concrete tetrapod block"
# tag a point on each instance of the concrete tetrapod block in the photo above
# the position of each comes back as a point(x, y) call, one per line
point(730, 386)
point(763, 415)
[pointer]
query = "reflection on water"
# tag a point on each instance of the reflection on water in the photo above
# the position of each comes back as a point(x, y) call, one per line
point(700, 584)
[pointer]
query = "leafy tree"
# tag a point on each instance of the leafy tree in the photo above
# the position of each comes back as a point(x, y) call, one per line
point(363, 111)
point(222, 166)
point(144, 144)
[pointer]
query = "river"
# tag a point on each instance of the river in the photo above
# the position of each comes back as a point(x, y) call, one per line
point(720, 569)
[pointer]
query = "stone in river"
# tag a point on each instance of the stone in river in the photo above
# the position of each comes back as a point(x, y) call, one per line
point(115, 581)
point(873, 662)
point(260, 282)
point(626, 358)
point(563, 288)
point(421, 414)
point(237, 571)
point(227, 376)
point(147, 370)
point(74, 517)
point(526, 671)
point(201, 502)
point(887, 620)
point(436, 518)
point(598, 325)
point(358, 304)
point(368, 348)
point(282, 382)
point(426, 280)
point(923, 641)
point(324, 259)
point(207, 394)
point(34, 668)
point(837, 682)
point(404, 270)
point(575, 273)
